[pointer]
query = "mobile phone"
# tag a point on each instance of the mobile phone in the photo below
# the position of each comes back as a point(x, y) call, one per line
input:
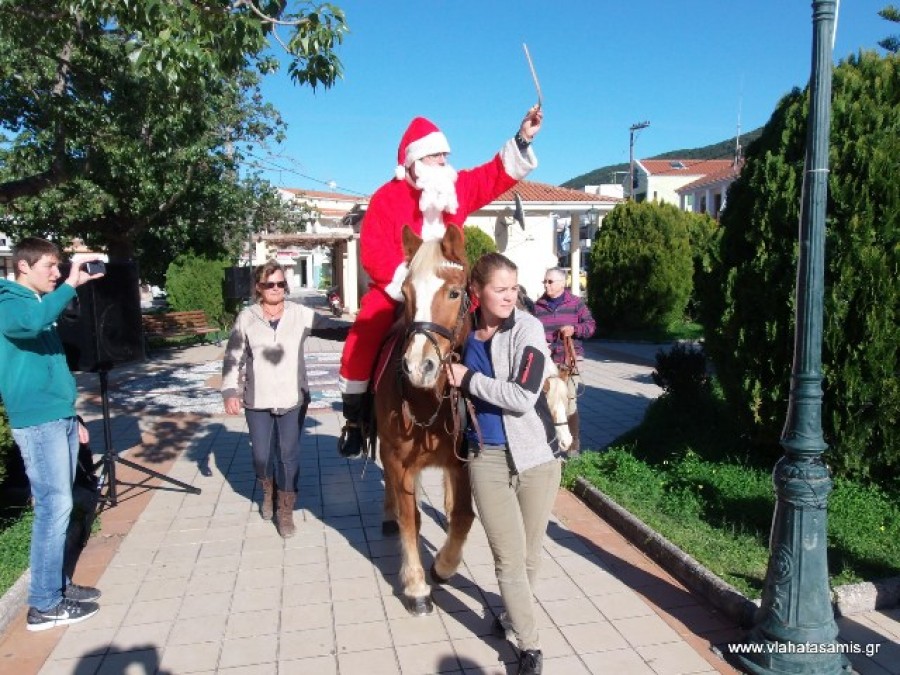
point(95, 267)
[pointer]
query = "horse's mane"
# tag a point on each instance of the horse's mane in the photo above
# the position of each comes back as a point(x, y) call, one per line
point(430, 258)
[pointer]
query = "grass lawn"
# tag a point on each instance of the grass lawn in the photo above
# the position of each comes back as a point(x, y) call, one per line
point(685, 474)
point(15, 540)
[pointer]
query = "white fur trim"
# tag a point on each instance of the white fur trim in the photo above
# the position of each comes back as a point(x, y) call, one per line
point(431, 144)
point(517, 163)
point(395, 288)
point(399, 172)
point(433, 229)
point(352, 386)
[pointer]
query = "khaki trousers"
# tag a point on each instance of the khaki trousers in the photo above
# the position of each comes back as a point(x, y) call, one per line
point(514, 510)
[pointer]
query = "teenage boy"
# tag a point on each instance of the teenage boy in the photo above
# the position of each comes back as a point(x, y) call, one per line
point(38, 392)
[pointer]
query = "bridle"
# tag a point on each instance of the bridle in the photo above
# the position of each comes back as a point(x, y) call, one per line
point(430, 330)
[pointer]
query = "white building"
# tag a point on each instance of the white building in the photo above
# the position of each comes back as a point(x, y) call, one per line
point(6, 270)
point(707, 194)
point(319, 255)
point(659, 180)
point(558, 227)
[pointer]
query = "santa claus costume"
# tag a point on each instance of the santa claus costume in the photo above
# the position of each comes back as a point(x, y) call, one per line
point(428, 204)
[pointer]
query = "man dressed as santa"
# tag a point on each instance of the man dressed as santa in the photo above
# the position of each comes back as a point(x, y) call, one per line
point(428, 195)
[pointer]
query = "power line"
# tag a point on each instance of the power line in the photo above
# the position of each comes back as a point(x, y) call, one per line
point(264, 163)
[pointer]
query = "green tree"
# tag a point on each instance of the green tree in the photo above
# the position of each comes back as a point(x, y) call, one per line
point(748, 308)
point(477, 244)
point(194, 282)
point(128, 121)
point(641, 267)
point(892, 42)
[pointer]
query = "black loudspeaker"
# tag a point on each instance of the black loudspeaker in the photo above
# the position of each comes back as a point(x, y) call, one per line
point(101, 327)
point(238, 283)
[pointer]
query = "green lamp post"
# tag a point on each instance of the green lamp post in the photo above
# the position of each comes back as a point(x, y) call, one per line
point(794, 629)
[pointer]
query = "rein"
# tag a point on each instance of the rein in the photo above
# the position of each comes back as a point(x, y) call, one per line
point(428, 329)
point(570, 363)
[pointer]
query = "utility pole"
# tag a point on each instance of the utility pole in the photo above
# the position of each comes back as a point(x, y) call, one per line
point(632, 129)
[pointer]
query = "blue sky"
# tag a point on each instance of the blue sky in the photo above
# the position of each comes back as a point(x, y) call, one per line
point(690, 67)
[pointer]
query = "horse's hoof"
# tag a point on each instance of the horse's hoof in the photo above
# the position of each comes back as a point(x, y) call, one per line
point(390, 528)
point(437, 578)
point(420, 606)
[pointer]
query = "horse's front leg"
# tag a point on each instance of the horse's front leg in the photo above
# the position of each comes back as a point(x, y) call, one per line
point(417, 593)
point(458, 507)
point(389, 526)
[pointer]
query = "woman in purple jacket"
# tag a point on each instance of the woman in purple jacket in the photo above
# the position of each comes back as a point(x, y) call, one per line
point(564, 315)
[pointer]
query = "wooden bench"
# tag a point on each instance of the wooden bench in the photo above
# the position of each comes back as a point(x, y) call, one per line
point(178, 324)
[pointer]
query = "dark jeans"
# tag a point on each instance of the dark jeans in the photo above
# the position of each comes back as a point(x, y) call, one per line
point(275, 440)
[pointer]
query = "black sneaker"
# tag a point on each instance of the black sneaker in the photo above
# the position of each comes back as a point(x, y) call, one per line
point(65, 613)
point(531, 662)
point(81, 593)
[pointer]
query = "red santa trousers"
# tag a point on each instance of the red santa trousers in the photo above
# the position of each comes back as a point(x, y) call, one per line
point(376, 315)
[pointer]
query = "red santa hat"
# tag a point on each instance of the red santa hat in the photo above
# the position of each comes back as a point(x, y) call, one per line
point(421, 138)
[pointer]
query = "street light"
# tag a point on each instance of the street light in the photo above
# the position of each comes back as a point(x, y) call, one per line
point(631, 130)
point(794, 629)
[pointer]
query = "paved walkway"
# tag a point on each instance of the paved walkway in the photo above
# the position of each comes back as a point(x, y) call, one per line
point(200, 584)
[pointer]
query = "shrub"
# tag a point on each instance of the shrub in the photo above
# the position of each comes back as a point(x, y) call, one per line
point(748, 306)
point(681, 372)
point(193, 282)
point(641, 267)
point(7, 445)
point(477, 244)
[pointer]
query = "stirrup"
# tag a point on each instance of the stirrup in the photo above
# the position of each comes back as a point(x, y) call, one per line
point(349, 430)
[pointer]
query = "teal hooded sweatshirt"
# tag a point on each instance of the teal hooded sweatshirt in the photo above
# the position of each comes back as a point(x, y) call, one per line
point(35, 381)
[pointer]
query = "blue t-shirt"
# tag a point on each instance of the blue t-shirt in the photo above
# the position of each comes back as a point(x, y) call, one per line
point(477, 357)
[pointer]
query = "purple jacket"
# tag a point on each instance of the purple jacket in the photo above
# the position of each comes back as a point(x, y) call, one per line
point(571, 312)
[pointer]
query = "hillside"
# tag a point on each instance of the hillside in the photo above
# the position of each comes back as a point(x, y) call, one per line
point(605, 174)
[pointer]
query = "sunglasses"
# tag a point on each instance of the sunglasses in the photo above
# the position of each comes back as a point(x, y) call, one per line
point(269, 285)
point(550, 281)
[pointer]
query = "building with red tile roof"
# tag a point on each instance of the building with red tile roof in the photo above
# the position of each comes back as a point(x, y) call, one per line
point(660, 179)
point(708, 193)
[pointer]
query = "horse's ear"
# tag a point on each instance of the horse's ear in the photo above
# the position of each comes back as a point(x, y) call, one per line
point(411, 242)
point(453, 244)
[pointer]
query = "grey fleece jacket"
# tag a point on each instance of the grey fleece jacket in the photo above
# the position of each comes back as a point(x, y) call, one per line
point(265, 366)
point(521, 363)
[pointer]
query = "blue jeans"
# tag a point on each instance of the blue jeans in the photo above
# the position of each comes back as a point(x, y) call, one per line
point(275, 444)
point(50, 452)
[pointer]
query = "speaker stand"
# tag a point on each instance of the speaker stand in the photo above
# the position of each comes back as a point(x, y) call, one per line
point(109, 459)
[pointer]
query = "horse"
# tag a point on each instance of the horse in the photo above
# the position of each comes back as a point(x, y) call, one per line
point(418, 420)
point(556, 389)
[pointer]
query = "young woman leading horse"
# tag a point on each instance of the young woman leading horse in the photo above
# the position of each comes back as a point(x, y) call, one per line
point(419, 419)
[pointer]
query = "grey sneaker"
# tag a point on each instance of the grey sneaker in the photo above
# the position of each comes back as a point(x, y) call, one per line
point(81, 593)
point(65, 613)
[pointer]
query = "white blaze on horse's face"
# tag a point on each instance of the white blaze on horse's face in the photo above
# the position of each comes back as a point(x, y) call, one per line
point(557, 391)
point(421, 363)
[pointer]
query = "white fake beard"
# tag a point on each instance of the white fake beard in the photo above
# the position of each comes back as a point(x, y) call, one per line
point(438, 186)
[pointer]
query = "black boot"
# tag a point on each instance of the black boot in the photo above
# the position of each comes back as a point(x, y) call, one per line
point(351, 443)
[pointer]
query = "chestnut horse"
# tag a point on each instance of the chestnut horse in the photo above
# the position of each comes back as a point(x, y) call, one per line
point(418, 420)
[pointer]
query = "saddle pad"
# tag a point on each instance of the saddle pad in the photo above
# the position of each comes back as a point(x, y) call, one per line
point(384, 357)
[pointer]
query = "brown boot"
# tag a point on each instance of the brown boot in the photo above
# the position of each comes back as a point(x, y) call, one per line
point(267, 505)
point(285, 520)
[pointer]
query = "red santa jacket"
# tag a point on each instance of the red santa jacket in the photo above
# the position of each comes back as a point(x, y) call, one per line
point(396, 204)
